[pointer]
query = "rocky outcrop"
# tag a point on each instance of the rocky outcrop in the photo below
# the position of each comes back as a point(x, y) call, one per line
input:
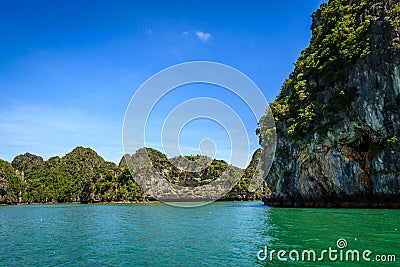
point(337, 115)
point(8, 188)
point(85, 177)
point(248, 188)
point(183, 178)
point(80, 176)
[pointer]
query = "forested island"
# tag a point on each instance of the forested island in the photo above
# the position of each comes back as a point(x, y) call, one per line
point(82, 176)
point(338, 114)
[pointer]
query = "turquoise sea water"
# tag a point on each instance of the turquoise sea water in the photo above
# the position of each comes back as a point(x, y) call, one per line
point(219, 234)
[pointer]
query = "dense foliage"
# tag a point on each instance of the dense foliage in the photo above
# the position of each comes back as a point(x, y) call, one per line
point(9, 183)
point(83, 176)
point(80, 176)
point(339, 38)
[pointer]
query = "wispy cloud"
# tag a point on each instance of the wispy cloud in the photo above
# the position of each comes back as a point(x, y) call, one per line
point(148, 32)
point(204, 37)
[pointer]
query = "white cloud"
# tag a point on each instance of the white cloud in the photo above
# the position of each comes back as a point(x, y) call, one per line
point(204, 37)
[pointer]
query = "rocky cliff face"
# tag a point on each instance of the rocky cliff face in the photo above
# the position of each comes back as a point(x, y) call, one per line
point(338, 116)
point(194, 171)
point(244, 189)
point(8, 189)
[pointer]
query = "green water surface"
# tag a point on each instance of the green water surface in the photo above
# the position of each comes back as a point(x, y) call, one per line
point(219, 234)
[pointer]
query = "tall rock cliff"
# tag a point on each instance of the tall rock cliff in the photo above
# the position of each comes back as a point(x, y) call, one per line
point(337, 115)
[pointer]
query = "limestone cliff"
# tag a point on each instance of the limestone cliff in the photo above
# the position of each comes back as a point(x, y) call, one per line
point(8, 183)
point(337, 115)
point(84, 176)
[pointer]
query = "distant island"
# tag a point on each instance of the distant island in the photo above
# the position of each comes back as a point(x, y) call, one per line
point(82, 176)
point(338, 114)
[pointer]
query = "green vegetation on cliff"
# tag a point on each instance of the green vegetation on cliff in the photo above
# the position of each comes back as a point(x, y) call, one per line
point(177, 175)
point(83, 176)
point(10, 183)
point(243, 189)
point(339, 38)
point(79, 176)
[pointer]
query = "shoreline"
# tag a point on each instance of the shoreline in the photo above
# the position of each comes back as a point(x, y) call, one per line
point(112, 202)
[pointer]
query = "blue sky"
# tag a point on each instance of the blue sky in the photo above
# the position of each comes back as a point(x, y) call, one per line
point(68, 69)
